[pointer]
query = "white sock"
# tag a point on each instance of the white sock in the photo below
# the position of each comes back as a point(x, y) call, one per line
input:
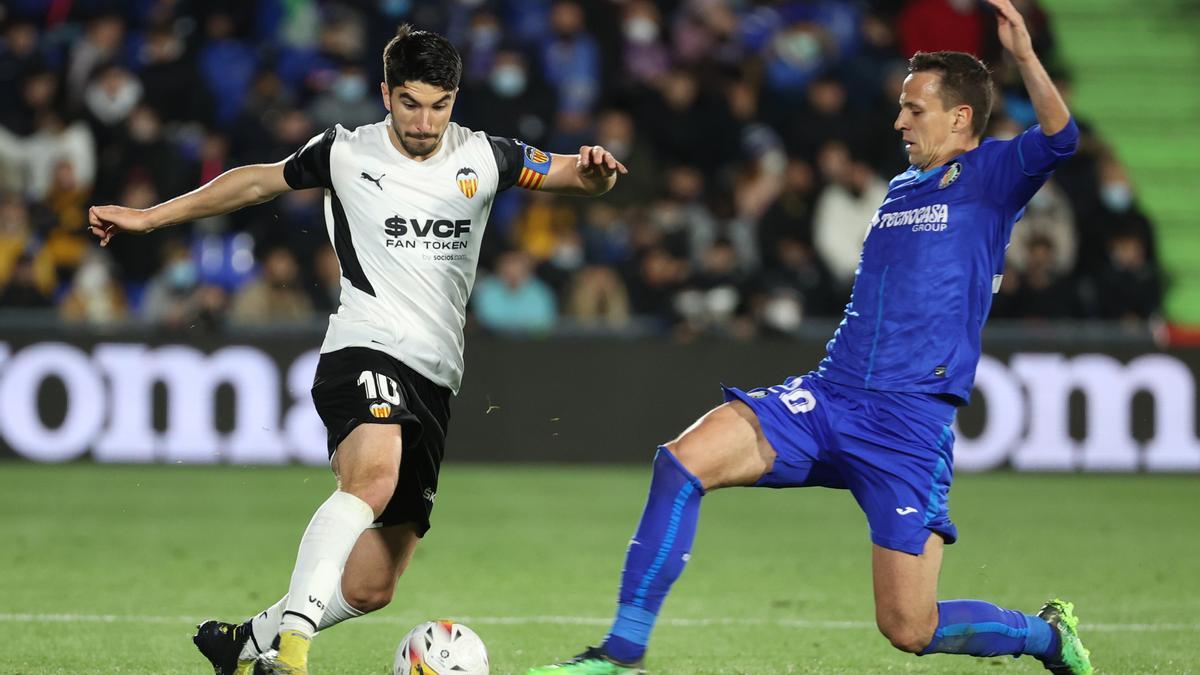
point(324, 548)
point(264, 626)
point(338, 610)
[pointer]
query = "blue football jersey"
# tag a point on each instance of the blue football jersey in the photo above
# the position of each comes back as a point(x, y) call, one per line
point(932, 259)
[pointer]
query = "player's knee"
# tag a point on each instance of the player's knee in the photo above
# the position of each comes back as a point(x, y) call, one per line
point(371, 598)
point(375, 489)
point(905, 634)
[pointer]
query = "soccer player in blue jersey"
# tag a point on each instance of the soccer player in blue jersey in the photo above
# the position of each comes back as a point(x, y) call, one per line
point(875, 417)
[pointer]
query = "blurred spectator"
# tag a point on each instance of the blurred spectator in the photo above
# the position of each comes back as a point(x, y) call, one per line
point(95, 296)
point(605, 234)
point(110, 96)
point(170, 78)
point(513, 300)
point(266, 103)
point(597, 297)
point(791, 214)
point(326, 289)
point(275, 296)
point(175, 298)
point(1047, 215)
point(825, 118)
point(617, 131)
point(23, 288)
point(19, 57)
point(1113, 210)
point(706, 30)
point(646, 58)
point(67, 243)
point(1129, 287)
point(796, 54)
point(657, 276)
point(571, 60)
point(510, 100)
point(350, 101)
point(19, 246)
point(56, 140)
point(796, 273)
point(687, 225)
point(844, 210)
point(169, 292)
point(101, 43)
point(1044, 292)
point(716, 294)
point(541, 224)
point(227, 66)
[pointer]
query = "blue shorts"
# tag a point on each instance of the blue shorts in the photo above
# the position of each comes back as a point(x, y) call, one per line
point(893, 451)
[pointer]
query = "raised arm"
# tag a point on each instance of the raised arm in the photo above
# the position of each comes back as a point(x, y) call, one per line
point(1052, 112)
point(232, 190)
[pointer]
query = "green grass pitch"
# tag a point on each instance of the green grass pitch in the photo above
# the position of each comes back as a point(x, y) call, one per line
point(106, 569)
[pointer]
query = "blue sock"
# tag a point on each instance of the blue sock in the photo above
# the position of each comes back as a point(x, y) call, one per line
point(656, 556)
point(982, 629)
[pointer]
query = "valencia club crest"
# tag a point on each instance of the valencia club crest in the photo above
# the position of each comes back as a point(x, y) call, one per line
point(468, 181)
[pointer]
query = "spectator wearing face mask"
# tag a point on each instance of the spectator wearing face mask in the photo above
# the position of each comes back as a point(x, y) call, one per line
point(349, 101)
point(645, 58)
point(1114, 209)
point(510, 100)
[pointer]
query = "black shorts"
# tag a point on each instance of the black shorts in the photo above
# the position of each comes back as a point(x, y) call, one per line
point(356, 386)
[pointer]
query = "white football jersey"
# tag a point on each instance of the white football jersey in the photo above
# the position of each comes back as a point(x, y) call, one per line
point(407, 235)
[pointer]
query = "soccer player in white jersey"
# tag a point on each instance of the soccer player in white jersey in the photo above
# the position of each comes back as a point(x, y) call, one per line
point(406, 205)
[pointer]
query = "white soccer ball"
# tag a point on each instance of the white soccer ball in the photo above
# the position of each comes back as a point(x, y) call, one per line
point(441, 648)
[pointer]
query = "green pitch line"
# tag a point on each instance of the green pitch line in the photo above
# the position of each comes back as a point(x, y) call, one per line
point(111, 565)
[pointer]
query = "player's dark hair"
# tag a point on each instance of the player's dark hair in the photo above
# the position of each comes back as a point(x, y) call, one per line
point(965, 81)
point(421, 56)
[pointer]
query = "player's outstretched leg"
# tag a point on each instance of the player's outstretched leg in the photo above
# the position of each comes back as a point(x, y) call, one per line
point(910, 617)
point(367, 464)
point(725, 448)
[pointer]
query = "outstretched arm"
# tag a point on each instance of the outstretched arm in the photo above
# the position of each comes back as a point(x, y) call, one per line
point(232, 190)
point(590, 173)
point(1052, 112)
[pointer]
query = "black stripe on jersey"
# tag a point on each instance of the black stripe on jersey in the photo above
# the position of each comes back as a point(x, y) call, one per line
point(309, 167)
point(510, 159)
point(343, 245)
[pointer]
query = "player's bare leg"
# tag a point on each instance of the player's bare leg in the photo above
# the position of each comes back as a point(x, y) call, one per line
point(724, 448)
point(906, 608)
point(367, 464)
point(909, 615)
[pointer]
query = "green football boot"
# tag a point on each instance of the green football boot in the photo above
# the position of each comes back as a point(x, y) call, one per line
point(592, 662)
point(1074, 657)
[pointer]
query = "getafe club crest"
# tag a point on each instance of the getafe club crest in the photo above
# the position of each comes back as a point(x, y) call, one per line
point(950, 176)
point(468, 181)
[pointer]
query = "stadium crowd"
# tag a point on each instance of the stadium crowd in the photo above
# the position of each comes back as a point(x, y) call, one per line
point(758, 136)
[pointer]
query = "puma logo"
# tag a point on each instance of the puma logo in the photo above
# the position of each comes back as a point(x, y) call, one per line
point(367, 176)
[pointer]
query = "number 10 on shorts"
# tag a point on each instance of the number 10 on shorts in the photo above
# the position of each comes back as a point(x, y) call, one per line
point(379, 386)
point(799, 401)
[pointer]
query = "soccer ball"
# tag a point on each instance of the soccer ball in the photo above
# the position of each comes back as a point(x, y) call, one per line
point(441, 648)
